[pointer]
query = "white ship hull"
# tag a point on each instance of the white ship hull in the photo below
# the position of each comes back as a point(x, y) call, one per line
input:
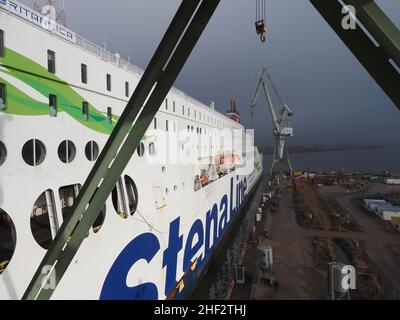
point(158, 251)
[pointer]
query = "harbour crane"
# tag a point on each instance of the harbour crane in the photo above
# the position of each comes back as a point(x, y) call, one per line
point(379, 56)
point(280, 122)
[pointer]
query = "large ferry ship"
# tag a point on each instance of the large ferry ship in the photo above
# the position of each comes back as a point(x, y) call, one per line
point(60, 98)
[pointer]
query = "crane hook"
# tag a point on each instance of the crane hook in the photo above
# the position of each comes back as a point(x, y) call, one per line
point(261, 14)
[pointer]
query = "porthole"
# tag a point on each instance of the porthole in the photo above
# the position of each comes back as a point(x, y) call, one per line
point(8, 238)
point(175, 188)
point(92, 151)
point(67, 151)
point(132, 193)
point(44, 224)
point(68, 196)
point(3, 153)
point(163, 169)
point(125, 197)
point(34, 152)
point(140, 150)
point(152, 149)
point(166, 191)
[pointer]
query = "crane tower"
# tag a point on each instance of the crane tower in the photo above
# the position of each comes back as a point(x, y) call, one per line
point(280, 122)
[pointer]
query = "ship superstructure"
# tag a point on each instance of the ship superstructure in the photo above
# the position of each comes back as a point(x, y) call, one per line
point(60, 97)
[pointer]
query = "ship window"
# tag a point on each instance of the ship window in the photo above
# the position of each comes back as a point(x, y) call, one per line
point(195, 114)
point(155, 123)
point(52, 105)
point(125, 197)
point(166, 125)
point(92, 151)
point(8, 238)
point(34, 152)
point(84, 73)
point(140, 149)
point(166, 104)
point(108, 82)
point(127, 89)
point(67, 151)
point(188, 112)
point(2, 96)
point(197, 184)
point(3, 153)
point(118, 199)
point(173, 107)
point(85, 111)
point(109, 114)
point(132, 193)
point(51, 61)
point(68, 196)
point(1, 43)
point(183, 110)
point(44, 222)
point(152, 149)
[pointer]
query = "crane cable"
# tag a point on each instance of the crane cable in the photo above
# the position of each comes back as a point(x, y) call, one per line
point(261, 13)
point(261, 10)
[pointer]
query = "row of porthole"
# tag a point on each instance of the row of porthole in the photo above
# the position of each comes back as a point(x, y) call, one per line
point(40, 217)
point(34, 152)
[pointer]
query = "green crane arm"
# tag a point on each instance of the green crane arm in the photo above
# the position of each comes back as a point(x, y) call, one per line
point(167, 62)
point(182, 35)
point(262, 84)
point(380, 56)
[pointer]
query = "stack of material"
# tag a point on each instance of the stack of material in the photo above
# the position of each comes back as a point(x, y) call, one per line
point(382, 208)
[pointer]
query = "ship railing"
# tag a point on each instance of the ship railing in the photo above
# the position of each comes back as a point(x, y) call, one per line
point(107, 56)
point(116, 60)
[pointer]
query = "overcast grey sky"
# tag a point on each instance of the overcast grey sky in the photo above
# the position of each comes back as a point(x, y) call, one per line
point(334, 98)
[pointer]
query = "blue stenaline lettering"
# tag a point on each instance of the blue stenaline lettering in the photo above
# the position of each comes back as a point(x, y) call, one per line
point(211, 216)
point(170, 257)
point(223, 222)
point(232, 208)
point(192, 249)
point(144, 246)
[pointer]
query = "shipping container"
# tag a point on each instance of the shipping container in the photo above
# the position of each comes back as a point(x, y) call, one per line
point(386, 213)
point(392, 180)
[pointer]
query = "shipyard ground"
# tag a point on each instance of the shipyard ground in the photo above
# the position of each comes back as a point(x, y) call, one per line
point(340, 230)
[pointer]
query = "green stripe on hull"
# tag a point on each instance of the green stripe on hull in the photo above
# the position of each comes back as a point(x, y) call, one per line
point(37, 77)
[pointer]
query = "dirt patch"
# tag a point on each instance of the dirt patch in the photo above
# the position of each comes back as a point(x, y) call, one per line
point(317, 210)
point(369, 280)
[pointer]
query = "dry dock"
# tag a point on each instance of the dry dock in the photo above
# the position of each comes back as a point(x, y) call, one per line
point(312, 226)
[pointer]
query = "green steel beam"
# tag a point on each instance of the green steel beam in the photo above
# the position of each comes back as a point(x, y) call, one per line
point(374, 59)
point(380, 27)
point(165, 66)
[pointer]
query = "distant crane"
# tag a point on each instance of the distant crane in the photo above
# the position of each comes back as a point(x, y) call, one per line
point(282, 130)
